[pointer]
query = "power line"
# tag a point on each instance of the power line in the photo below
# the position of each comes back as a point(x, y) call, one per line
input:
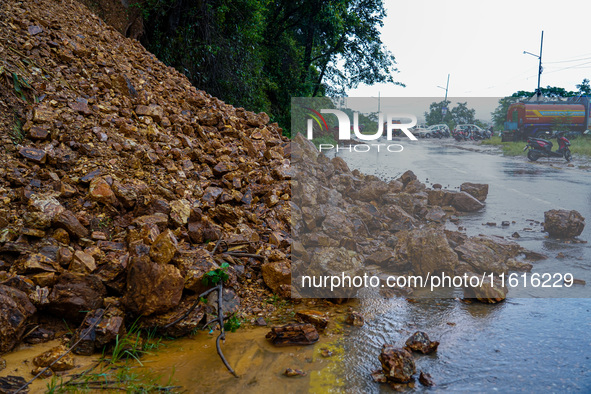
point(569, 61)
point(566, 68)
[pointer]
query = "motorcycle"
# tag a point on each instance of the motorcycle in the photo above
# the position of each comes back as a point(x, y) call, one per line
point(539, 147)
point(437, 134)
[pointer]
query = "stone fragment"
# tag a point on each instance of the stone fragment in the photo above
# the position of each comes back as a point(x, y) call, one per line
point(397, 364)
point(318, 319)
point(355, 319)
point(82, 263)
point(290, 372)
point(33, 154)
point(100, 190)
point(15, 310)
point(419, 342)
point(476, 190)
point(75, 294)
point(52, 357)
point(561, 223)
point(152, 288)
point(164, 248)
point(293, 335)
point(68, 221)
point(488, 292)
point(426, 379)
point(276, 273)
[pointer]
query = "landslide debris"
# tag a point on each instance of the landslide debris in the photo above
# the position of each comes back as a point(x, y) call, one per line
point(118, 178)
point(348, 224)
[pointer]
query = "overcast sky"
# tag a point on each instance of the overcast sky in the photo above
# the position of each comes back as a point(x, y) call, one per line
point(481, 44)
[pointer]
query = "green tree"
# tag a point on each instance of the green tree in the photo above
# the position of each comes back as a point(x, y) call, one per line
point(258, 54)
point(435, 114)
point(461, 114)
point(584, 87)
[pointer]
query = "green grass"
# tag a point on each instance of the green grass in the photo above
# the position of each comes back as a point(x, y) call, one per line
point(117, 371)
point(579, 146)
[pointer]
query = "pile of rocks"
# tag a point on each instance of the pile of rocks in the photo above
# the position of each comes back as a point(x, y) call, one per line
point(124, 178)
point(347, 222)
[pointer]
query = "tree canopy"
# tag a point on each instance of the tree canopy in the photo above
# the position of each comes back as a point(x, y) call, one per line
point(459, 114)
point(258, 54)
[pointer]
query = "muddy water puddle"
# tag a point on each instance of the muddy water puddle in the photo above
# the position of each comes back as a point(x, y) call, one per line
point(196, 366)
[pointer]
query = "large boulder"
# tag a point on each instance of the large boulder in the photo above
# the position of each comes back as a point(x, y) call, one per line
point(152, 288)
point(397, 364)
point(476, 190)
point(561, 223)
point(15, 309)
point(461, 201)
point(75, 294)
point(276, 274)
point(464, 202)
point(480, 257)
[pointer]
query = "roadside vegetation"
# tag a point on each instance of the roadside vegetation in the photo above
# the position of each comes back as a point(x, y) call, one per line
point(117, 370)
point(579, 146)
point(260, 54)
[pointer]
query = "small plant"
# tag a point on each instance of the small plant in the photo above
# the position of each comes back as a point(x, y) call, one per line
point(17, 135)
point(233, 323)
point(214, 277)
point(105, 222)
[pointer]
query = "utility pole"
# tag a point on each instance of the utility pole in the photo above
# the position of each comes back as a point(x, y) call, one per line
point(444, 108)
point(379, 102)
point(540, 65)
point(538, 91)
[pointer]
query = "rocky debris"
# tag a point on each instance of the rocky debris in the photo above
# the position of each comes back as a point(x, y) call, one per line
point(427, 249)
point(355, 319)
point(397, 364)
point(47, 358)
point(39, 335)
point(290, 372)
point(488, 292)
point(10, 384)
point(460, 201)
point(426, 379)
point(293, 335)
point(152, 288)
point(74, 294)
point(561, 223)
point(345, 221)
point(98, 329)
point(318, 319)
point(277, 274)
point(126, 169)
point(476, 190)
point(15, 310)
point(419, 342)
point(183, 327)
point(2, 364)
